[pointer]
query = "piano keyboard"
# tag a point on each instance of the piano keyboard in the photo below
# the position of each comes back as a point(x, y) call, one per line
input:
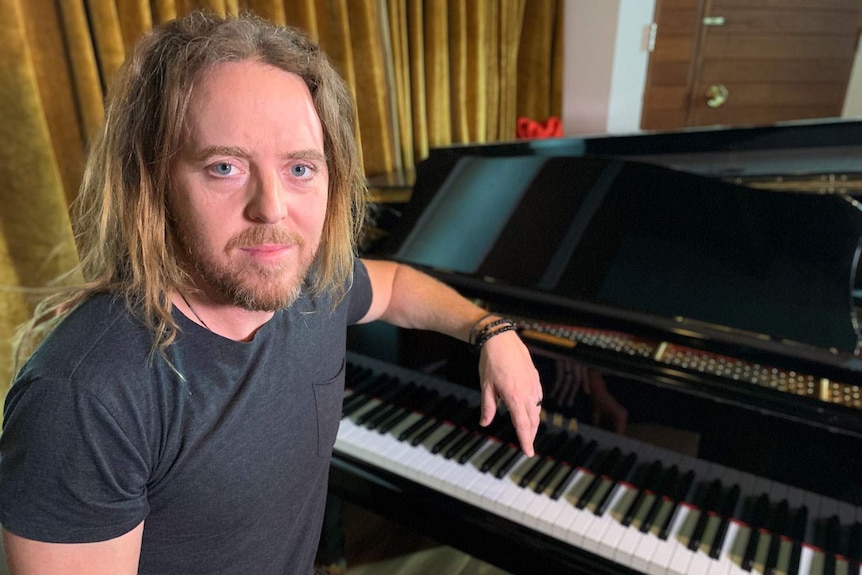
point(650, 509)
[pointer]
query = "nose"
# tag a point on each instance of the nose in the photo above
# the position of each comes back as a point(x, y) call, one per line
point(268, 200)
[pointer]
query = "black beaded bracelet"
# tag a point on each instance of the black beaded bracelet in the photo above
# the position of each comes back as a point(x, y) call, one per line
point(485, 335)
point(474, 331)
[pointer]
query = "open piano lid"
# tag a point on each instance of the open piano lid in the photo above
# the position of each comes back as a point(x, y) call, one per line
point(642, 241)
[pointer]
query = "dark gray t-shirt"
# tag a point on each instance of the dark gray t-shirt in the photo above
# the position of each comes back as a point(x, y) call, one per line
point(224, 454)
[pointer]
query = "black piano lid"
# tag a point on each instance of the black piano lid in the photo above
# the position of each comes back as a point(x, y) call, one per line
point(642, 239)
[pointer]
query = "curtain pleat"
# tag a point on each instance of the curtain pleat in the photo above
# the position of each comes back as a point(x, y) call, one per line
point(535, 61)
point(475, 58)
point(302, 14)
point(35, 233)
point(274, 11)
point(437, 77)
point(458, 104)
point(372, 79)
point(400, 62)
point(105, 24)
point(492, 65)
point(163, 10)
point(87, 94)
point(135, 18)
point(416, 72)
point(53, 76)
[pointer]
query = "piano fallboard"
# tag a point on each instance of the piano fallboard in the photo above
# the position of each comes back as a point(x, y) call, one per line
point(560, 511)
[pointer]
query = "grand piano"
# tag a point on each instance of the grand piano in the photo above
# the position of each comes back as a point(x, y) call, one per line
point(708, 282)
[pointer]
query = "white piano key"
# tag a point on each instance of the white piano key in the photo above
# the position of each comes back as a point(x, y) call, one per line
point(664, 549)
point(569, 514)
point(595, 537)
point(613, 535)
point(806, 561)
point(628, 545)
point(724, 563)
point(474, 480)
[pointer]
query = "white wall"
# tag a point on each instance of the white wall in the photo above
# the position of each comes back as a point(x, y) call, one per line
point(605, 60)
point(853, 101)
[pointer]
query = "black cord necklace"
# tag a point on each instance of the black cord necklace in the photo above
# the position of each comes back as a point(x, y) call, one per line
point(191, 309)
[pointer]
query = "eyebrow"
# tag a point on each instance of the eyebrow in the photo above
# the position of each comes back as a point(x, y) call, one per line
point(210, 151)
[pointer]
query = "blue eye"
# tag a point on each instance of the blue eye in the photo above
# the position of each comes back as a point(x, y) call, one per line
point(223, 168)
point(300, 170)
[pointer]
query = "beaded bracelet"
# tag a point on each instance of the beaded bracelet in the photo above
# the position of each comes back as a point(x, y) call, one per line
point(487, 334)
point(474, 330)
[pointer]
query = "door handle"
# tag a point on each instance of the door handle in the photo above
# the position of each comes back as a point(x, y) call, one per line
point(716, 95)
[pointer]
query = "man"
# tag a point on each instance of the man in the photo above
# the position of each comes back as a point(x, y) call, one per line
point(180, 414)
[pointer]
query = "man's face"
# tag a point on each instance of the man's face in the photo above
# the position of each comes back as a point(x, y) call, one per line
point(249, 187)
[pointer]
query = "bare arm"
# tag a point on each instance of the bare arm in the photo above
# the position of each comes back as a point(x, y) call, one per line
point(410, 299)
point(117, 556)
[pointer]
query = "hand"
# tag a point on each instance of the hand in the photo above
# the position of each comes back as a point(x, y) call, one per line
point(572, 376)
point(506, 371)
point(605, 406)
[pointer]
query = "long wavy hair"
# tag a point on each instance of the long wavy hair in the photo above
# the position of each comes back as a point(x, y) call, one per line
point(123, 228)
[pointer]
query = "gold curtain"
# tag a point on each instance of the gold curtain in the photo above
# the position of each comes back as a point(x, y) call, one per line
point(425, 73)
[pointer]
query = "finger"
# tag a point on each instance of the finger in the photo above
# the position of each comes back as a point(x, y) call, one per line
point(489, 405)
point(526, 423)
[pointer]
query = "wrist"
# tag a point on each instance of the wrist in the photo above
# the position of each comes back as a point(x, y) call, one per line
point(487, 327)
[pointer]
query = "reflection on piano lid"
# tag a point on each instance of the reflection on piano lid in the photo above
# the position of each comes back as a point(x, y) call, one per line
point(649, 240)
point(684, 263)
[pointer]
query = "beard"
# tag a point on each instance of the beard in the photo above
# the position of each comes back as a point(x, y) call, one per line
point(248, 284)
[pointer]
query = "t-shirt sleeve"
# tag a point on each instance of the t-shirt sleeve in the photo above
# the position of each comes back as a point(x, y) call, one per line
point(69, 470)
point(360, 293)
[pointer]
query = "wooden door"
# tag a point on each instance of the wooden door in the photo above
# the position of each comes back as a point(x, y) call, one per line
point(749, 62)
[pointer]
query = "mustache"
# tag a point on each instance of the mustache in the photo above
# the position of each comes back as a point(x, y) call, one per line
point(265, 234)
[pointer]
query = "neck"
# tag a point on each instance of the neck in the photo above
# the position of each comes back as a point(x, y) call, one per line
point(226, 320)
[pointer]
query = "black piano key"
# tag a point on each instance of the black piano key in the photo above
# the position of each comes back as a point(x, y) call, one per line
point(565, 454)
point(513, 457)
point(507, 464)
point(372, 418)
point(543, 446)
point(620, 473)
point(386, 395)
point(466, 427)
point(481, 439)
point(506, 438)
point(727, 507)
point(758, 518)
point(580, 459)
point(356, 375)
point(680, 491)
point(368, 381)
point(831, 544)
point(604, 467)
point(458, 419)
point(446, 440)
point(437, 421)
point(780, 527)
point(400, 407)
point(797, 533)
point(710, 504)
point(463, 439)
point(473, 447)
point(663, 490)
point(648, 484)
point(439, 403)
point(360, 399)
point(854, 543)
point(423, 397)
